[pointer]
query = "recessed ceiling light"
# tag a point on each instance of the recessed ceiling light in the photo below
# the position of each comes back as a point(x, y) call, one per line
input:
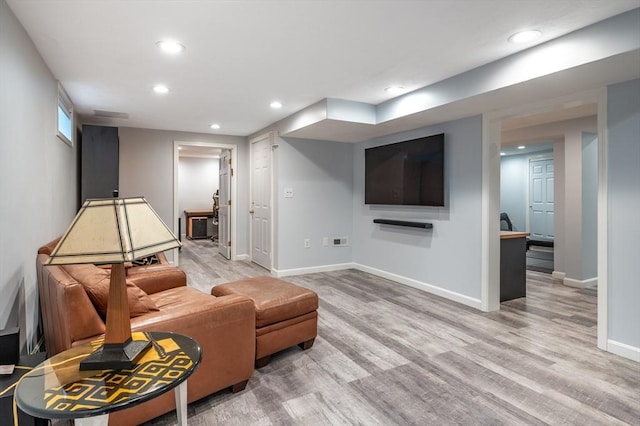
point(503, 153)
point(521, 147)
point(275, 105)
point(525, 36)
point(160, 88)
point(170, 46)
point(394, 90)
point(215, 126)
point(179, 148)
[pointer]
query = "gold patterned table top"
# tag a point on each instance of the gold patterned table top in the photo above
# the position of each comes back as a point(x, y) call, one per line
point(58, 389)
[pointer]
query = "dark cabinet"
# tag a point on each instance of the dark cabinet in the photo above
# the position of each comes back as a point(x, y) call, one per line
point(513, 264)
point(99, 151)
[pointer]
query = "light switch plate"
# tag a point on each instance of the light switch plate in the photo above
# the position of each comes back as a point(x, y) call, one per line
point(288, 193)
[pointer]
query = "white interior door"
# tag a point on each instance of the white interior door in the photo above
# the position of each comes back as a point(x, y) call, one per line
point(224, 218)
point(260, 203)
point(541, 200)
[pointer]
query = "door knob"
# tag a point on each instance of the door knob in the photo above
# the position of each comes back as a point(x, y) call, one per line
point(251, 211)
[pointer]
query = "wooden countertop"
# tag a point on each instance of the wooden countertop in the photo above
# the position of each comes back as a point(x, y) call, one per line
point(513, 234)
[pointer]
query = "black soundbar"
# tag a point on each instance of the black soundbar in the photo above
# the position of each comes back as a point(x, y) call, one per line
point(422, 225)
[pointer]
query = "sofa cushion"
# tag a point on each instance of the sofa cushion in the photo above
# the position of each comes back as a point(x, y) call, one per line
point(178, 304)
point(96, 283)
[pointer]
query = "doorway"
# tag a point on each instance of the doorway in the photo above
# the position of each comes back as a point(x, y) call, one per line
point(492, 141)
point(206, 149)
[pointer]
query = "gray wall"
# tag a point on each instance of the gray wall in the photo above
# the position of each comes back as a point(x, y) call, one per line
point(321, 176)
point(623, 182)
point(447, 257)
point(38, 172)
point(146, 168)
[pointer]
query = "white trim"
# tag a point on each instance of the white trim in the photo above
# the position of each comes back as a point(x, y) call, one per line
point(623, 350)
point(558, 275)
point(570, 282)
point(602, 238)
point(527, 198)
point(271, 137)
point(234, 196)
point(243, 257)
point(428, 288)
point(490, 211)
point(312, 269)
point(438, 291)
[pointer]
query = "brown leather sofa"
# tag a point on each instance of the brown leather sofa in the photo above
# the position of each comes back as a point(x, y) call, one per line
point(223, 326)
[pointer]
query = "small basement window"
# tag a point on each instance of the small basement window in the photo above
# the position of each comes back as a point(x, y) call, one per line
point(65, 117)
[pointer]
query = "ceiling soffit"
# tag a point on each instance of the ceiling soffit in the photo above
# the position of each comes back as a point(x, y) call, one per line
point(583, 60)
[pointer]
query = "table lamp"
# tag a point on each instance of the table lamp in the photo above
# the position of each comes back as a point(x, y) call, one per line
point(114, 230)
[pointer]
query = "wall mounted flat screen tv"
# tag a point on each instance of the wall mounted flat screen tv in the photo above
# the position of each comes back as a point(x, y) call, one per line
point(406, 173)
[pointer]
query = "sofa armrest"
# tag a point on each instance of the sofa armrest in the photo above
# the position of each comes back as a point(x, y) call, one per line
point(224, 327)
point(159, 279)
point(68, 314)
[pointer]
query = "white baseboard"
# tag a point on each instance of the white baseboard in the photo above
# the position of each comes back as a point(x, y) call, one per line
point(310, 270)
point(447, 294)
point(624, 350)
point(242, 257)
point(438, 291)
point(570, 282)
point(558, 275)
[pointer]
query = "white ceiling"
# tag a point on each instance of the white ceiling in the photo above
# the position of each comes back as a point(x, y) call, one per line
point(241, 55)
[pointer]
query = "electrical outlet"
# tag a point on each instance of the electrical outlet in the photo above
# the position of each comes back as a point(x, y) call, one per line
point(307, 243)
point(339, 241)
point(288, 193)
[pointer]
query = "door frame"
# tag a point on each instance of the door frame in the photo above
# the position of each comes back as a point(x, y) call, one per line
point(490, 246)
point(234, 197)
point(271, 137)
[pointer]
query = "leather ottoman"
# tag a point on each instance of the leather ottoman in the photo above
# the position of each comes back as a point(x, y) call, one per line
point(286, 314)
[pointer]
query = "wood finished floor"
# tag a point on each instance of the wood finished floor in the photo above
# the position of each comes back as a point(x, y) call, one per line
point(387, 354)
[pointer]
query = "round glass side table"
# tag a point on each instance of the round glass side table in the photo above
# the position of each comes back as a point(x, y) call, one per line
point(57, 389)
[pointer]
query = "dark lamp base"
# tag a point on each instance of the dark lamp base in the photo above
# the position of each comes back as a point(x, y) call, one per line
point(116, 356)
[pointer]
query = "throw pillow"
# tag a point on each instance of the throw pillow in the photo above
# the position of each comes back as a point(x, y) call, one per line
point(96, 283)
